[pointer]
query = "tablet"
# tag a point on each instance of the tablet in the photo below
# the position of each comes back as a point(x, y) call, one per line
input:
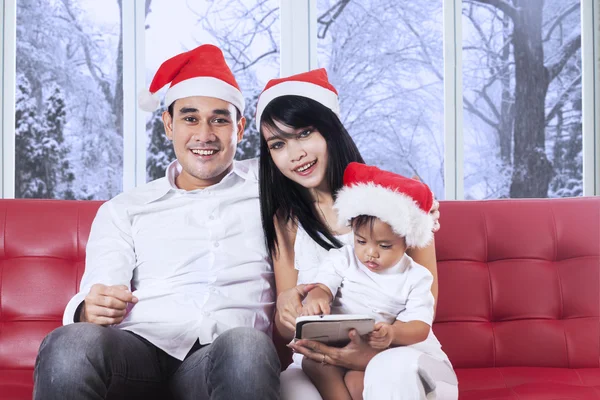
point(332, 329)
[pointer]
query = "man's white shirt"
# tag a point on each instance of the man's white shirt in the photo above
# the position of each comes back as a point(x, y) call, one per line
point(197, 260)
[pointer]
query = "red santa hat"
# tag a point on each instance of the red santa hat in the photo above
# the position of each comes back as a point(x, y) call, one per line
point(313, 84)
point(198, 72)
point(401, 202)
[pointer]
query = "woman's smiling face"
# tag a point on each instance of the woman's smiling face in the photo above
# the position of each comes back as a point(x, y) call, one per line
point(299, 153)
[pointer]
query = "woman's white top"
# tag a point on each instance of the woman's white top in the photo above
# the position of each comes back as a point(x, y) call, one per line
point(308, 255)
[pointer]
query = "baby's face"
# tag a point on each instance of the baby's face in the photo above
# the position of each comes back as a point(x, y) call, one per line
point(378, 248)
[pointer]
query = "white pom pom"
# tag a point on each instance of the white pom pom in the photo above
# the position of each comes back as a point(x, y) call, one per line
point(148, 101)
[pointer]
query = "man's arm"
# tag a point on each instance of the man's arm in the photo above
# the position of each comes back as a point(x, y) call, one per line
point(110, 261)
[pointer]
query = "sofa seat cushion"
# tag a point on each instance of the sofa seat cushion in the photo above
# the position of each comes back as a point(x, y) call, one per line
point(16, 384)
point(529, 383)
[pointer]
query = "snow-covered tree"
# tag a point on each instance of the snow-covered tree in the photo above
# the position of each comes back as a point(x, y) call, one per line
point(60, 45)
point(160, 149)
point(57, 169)
point(28, 132)
point(385, 59)
point(522, 85)
point(42, 170)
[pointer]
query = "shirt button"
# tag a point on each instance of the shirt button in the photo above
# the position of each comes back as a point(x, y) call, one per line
point(216, 244)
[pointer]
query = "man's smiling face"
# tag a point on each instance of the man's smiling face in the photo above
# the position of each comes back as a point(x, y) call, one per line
point(205, 132)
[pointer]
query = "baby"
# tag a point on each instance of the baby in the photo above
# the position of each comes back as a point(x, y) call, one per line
point(375, 277)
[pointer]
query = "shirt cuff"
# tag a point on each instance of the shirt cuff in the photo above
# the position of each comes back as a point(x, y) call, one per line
point(71, 309)
point(332, 283)
point(423, 316)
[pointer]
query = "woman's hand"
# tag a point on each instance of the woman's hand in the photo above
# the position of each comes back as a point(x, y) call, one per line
point(435, 209)
point(435, 214)
point(354, 356)
point(289, 304)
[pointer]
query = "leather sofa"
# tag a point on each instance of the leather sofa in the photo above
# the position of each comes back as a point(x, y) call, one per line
point(519, 292)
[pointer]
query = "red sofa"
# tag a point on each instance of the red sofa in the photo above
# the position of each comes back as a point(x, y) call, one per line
point(519, 301)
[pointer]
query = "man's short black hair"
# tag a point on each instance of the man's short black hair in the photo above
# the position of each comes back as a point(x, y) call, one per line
point(238, 114)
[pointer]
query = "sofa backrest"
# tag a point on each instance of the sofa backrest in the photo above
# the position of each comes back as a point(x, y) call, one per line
point(42, 253)
point(519, 283)
point(519, 279)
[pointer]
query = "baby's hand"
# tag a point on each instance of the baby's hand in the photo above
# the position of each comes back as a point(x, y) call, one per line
point(317, 302)
point(381, 337)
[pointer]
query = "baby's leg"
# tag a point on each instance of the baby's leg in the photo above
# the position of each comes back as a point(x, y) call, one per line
point(355, 382)
point(328, 379)
point(405, 373)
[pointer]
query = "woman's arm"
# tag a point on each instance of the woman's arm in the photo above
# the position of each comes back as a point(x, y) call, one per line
point(426, 257)
point(286, 277)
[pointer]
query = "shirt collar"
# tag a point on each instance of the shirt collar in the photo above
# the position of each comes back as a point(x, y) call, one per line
point(174, 169)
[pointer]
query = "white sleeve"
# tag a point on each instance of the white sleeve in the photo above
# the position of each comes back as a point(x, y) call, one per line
point(110, 256)
point(420, 302)
point(333, 268)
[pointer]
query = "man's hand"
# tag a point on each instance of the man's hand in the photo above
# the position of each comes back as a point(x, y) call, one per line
point(355, 356)
point(289, 304)
point(382, 336)
point(106, 305)
point(317, 302)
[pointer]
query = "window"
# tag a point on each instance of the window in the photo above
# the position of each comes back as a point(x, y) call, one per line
point(445, 90)
point(248, 33)
point(386, 60)
point(522, 99)
point(69, 100)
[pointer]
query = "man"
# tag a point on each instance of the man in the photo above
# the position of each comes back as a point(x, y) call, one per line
point(191, 246)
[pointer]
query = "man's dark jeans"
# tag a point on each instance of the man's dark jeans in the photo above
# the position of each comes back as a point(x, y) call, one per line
point(87, 361)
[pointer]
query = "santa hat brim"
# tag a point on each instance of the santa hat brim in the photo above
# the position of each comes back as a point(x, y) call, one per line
point(396, 209)
point(297, 88)
point(206, 86)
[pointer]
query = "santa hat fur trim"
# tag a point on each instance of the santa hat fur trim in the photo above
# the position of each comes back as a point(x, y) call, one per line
point(396, 209)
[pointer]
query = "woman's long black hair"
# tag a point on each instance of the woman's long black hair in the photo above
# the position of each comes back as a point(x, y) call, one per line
point(288, 199)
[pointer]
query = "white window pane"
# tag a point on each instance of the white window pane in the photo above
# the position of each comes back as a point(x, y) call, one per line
point(522, 97)
point(386, 60)
point(248, 33)
point(69, 99)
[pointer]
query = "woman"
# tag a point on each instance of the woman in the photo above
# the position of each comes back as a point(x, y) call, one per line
point(304, 151)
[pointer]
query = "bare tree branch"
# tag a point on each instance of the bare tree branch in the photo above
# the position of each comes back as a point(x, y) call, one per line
point(561, 99)
point(503, 6)
point(567, 50)
point(473, 110)
point(488, 100)
point(336, 9)
point(104, 85)
point(244, 66)
point(564, 14)
point(428, 58)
